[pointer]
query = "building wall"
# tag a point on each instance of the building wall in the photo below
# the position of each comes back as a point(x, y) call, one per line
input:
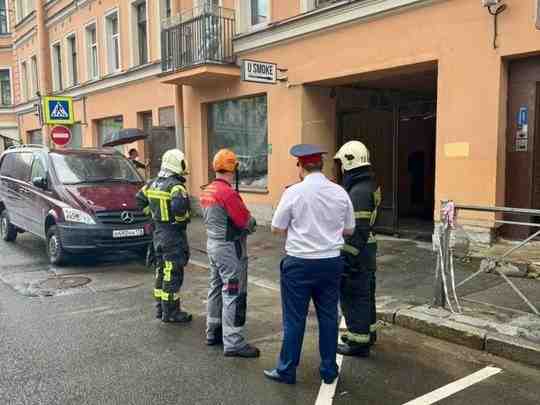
point(471, 117)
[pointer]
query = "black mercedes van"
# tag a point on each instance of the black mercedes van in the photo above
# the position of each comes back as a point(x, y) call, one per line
point(77, 200)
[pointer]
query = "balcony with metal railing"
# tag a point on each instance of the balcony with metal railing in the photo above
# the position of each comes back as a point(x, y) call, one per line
point(198, 44)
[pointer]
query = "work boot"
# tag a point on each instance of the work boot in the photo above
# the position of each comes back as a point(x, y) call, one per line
point(172, 313)
point(354, 351)
point(247, 352)
point(159, 310)
point(217, 339)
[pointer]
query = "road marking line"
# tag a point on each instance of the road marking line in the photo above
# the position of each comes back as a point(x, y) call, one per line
point(328, 391)
point(455, 387)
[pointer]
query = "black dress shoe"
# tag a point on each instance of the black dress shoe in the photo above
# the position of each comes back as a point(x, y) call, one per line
point(355, 351)
point(275, 376)
point(247, 352)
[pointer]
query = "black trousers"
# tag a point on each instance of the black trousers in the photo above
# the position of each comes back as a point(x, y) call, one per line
point(171, 256)
point(357, 298)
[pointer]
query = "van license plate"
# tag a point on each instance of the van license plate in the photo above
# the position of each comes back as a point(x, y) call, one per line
point(126, 233)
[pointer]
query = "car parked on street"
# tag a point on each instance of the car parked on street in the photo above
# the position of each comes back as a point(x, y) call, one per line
point(77, 200)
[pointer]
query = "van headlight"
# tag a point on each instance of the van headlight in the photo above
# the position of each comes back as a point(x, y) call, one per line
point(73, 215)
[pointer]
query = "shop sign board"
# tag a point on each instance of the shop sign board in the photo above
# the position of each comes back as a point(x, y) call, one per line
point(259, 72)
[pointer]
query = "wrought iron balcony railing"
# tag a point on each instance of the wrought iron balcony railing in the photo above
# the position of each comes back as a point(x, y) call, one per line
point(202, 35)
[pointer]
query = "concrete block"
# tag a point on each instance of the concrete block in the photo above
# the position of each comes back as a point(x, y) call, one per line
point(386, 311)
point(513, 348)
point(441, 328)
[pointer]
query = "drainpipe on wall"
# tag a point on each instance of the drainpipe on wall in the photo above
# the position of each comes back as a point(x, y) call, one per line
point(44, 63)
point(179, 118)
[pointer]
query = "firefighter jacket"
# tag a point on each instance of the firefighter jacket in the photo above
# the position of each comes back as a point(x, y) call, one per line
point(366, 198)
point(167, 201)
point(225, 215)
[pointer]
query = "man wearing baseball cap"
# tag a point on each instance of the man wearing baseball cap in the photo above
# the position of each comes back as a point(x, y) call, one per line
point(314, 214)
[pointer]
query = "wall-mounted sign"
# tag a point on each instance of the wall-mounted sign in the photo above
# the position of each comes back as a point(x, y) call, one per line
point(522, 144)
point(61, 135)
point(259, 72)
point(58, 110)
point(523, 117)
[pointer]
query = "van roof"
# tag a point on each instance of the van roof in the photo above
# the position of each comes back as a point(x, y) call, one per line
point(91, 151)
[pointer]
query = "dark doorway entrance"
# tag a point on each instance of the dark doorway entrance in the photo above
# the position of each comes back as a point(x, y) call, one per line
point(398, 126)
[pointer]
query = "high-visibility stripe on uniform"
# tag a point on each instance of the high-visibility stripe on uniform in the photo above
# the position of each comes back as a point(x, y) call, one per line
point(167, 271)
point(356, 337)
point(182, 218)
point(158, 195)
point(146, 211)
point(350, 249)
point(373, 327)
point(158, 293)
point(363, 214)
point(178, 189)
point(164, 296)
point(164, 209)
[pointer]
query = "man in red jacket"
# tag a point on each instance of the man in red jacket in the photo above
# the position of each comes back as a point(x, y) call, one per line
point(228, 222)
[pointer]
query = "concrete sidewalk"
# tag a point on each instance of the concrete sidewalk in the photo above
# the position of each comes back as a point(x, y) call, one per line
point(493, 318)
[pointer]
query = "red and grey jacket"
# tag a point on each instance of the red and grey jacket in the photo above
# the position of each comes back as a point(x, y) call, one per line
point(225, 215)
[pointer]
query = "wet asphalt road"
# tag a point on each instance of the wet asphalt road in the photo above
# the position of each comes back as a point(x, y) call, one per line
point(99, 344)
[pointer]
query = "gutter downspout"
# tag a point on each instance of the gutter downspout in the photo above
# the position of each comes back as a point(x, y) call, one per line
point(44, 60)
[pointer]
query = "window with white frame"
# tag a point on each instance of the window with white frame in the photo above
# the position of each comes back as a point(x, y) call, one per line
point(139, 25)
point(3, 17)
point(35, 75)
point(92, 61)
point(5, 87)
point(112, 32)
point(72, 60)
point(258, 12)
point(23, 8)
point(57, 67)
point(167, 8)
point(24, 81)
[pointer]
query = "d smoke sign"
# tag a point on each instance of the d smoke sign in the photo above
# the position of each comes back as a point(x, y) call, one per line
point(259, 72)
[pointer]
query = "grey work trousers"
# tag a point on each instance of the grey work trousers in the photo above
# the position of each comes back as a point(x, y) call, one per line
point(227, 293)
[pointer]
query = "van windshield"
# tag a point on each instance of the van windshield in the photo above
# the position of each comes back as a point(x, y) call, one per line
point(93, 168)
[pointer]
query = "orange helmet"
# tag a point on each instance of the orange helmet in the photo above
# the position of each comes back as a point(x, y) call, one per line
point(225, 161)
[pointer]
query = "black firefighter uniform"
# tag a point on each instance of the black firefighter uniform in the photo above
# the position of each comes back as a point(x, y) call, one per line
point(167, 201)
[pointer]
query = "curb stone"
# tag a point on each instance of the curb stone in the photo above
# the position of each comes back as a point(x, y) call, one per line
point(442, 328)
point(513, 348)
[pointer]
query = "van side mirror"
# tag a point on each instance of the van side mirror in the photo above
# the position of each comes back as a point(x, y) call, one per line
point(40, 182)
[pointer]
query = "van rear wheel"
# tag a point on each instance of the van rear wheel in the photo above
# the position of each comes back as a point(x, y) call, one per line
point(55, 251)
point(7, 229)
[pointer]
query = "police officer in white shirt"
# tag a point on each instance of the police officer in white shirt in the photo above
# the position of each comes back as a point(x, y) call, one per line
point(314, 214)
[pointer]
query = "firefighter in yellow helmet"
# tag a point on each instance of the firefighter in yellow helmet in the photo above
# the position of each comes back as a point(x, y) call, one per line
point(166, 199)
point(228, 222)
point(357, 296)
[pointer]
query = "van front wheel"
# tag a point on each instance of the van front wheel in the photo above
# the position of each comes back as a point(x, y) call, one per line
point(7, 229)
point(55, 250)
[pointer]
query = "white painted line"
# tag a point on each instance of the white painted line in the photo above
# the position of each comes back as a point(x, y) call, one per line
point(328, 391)
point(455, 387)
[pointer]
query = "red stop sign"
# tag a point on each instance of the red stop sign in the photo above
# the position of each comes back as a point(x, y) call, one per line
point(61, 135)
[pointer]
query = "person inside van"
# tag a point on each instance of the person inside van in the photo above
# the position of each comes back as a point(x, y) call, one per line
point(133, 156)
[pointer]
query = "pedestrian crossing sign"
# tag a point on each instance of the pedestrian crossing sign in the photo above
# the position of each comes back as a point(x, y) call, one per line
point(58, 110)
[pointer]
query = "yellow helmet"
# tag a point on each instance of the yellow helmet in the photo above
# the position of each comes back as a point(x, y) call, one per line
point(174, 161)
point(225, 161)
point(352, 155)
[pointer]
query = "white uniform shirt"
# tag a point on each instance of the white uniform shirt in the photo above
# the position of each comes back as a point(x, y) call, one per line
point(314, 212)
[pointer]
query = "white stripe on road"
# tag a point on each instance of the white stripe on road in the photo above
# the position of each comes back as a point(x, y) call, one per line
point(455, 387)
point(328, 391)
